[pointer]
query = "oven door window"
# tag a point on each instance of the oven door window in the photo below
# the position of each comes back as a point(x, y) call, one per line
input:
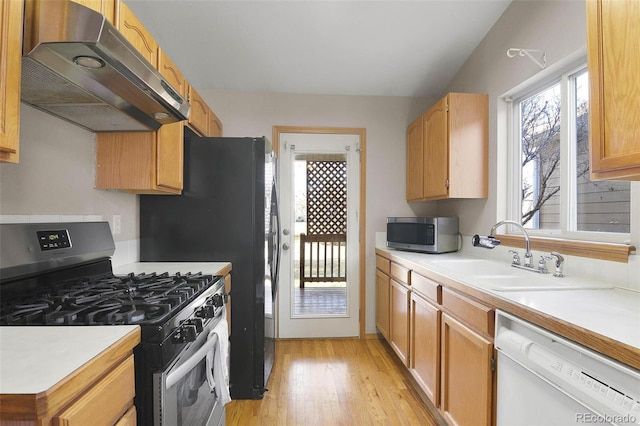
point(190, 401)
point(182, 393)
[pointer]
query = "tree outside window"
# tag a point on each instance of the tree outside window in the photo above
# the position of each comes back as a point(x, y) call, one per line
point(601, 206)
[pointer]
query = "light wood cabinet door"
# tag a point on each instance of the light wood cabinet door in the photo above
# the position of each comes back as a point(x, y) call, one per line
point(425, 346)
point(466, 375)
point(199, 115)
point(383, 288)
point(107, 8)
point(399, 320)
point(415, 161)
point(468, 145)
point(614, 116)
point(106, 402)
point(171, 73)
point(436, 152)
point(215, 125)
point(136, 33)
point(448, 149)
point(170, 156)
point(170, 137)
point(129, 418)
point(140, 162)
point(10, 66)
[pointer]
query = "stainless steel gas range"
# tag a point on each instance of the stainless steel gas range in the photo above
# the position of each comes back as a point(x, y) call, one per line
point(61, 274)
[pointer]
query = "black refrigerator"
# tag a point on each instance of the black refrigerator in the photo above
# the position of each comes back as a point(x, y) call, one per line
point(227, 212)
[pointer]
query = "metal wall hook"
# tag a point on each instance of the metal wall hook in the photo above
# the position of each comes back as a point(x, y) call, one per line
point(515, 51)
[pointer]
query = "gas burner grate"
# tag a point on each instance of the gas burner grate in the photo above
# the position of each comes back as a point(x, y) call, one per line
point(133, 299)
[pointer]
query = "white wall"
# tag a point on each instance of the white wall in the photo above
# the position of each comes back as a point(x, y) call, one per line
point(385, 120)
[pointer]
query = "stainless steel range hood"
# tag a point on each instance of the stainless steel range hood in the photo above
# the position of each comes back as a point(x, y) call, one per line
point(77, 66)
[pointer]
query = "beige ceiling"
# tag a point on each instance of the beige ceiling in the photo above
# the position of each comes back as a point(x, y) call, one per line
point(383, 48)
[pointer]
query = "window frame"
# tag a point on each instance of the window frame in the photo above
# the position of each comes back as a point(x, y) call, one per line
point(564, 75)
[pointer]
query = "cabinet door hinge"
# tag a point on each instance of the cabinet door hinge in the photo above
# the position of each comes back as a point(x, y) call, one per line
point(493, 364)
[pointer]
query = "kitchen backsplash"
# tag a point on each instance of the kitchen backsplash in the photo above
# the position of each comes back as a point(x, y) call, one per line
point(126, 251)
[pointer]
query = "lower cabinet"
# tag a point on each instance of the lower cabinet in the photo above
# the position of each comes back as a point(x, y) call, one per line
point(424, 364)
point(466, 375)
point(108, 402)
point(399, 336)
point(443, 336)
point(383, 288)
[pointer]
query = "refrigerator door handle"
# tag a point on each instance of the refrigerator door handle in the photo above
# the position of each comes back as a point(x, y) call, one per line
point(274, 287)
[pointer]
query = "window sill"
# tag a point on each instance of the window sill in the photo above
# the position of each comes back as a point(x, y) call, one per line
point(593, 250)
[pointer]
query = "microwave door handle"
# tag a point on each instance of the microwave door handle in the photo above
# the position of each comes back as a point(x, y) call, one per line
point(183, 369)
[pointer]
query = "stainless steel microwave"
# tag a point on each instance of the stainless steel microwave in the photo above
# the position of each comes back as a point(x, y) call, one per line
point(423, 234)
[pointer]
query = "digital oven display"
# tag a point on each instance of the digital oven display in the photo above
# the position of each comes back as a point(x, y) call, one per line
point(52, 240)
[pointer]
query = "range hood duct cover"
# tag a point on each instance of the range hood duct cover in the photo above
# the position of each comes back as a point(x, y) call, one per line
point(126, 94)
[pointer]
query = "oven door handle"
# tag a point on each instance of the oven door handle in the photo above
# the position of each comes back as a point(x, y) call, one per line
point(183, 369)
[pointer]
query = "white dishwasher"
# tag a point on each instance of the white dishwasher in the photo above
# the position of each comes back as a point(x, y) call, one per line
point(545, 379)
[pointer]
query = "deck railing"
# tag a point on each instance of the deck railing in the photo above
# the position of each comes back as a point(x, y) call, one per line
point(323, 258)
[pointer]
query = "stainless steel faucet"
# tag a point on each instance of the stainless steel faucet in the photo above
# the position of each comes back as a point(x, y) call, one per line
point(527, 255)
point(490, 241)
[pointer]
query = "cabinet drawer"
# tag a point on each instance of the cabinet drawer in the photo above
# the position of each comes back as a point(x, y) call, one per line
point(383, 264)
point(105, 402)
point(426, 287)
point(400, 273)
point(474, 314)
point(129, 418)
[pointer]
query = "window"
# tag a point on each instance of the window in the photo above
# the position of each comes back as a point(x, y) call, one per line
point(553, 193)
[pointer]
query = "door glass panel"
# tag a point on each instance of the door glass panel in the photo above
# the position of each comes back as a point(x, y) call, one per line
point(320, 214)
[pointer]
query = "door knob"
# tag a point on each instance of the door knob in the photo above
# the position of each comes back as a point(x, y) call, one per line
point(285, 246)
point(285, 231)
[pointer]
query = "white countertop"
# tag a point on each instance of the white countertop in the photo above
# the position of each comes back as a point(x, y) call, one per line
point(33, 359)
point(212, 268)
point(589, 304)
point(614, 313)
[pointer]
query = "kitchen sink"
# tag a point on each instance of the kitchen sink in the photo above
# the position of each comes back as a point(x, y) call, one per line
point(501, 276)
point(477, 267)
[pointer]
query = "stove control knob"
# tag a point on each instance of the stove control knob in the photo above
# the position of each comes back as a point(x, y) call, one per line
point(186, 333)
point(197, 323)
point(206, 311)
point(217, 300)
point(190, 332)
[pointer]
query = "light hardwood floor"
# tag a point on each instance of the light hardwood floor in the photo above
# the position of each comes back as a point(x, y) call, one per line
point(328, 382)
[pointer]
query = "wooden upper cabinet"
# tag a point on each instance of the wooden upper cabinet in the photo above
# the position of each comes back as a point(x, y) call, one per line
point(199, 115)
point(133, 30)
point(454, 148)
point(10, 67)
point(436, 151)
point(171, 73)
point(104, 7)
point(614, 116)
point(170, 137)
point(415, 160)
point(141, 162)
point(215, 125)
point(170, 157)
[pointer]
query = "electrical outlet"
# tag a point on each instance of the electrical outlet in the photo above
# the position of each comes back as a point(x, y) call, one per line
point(117, 225)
